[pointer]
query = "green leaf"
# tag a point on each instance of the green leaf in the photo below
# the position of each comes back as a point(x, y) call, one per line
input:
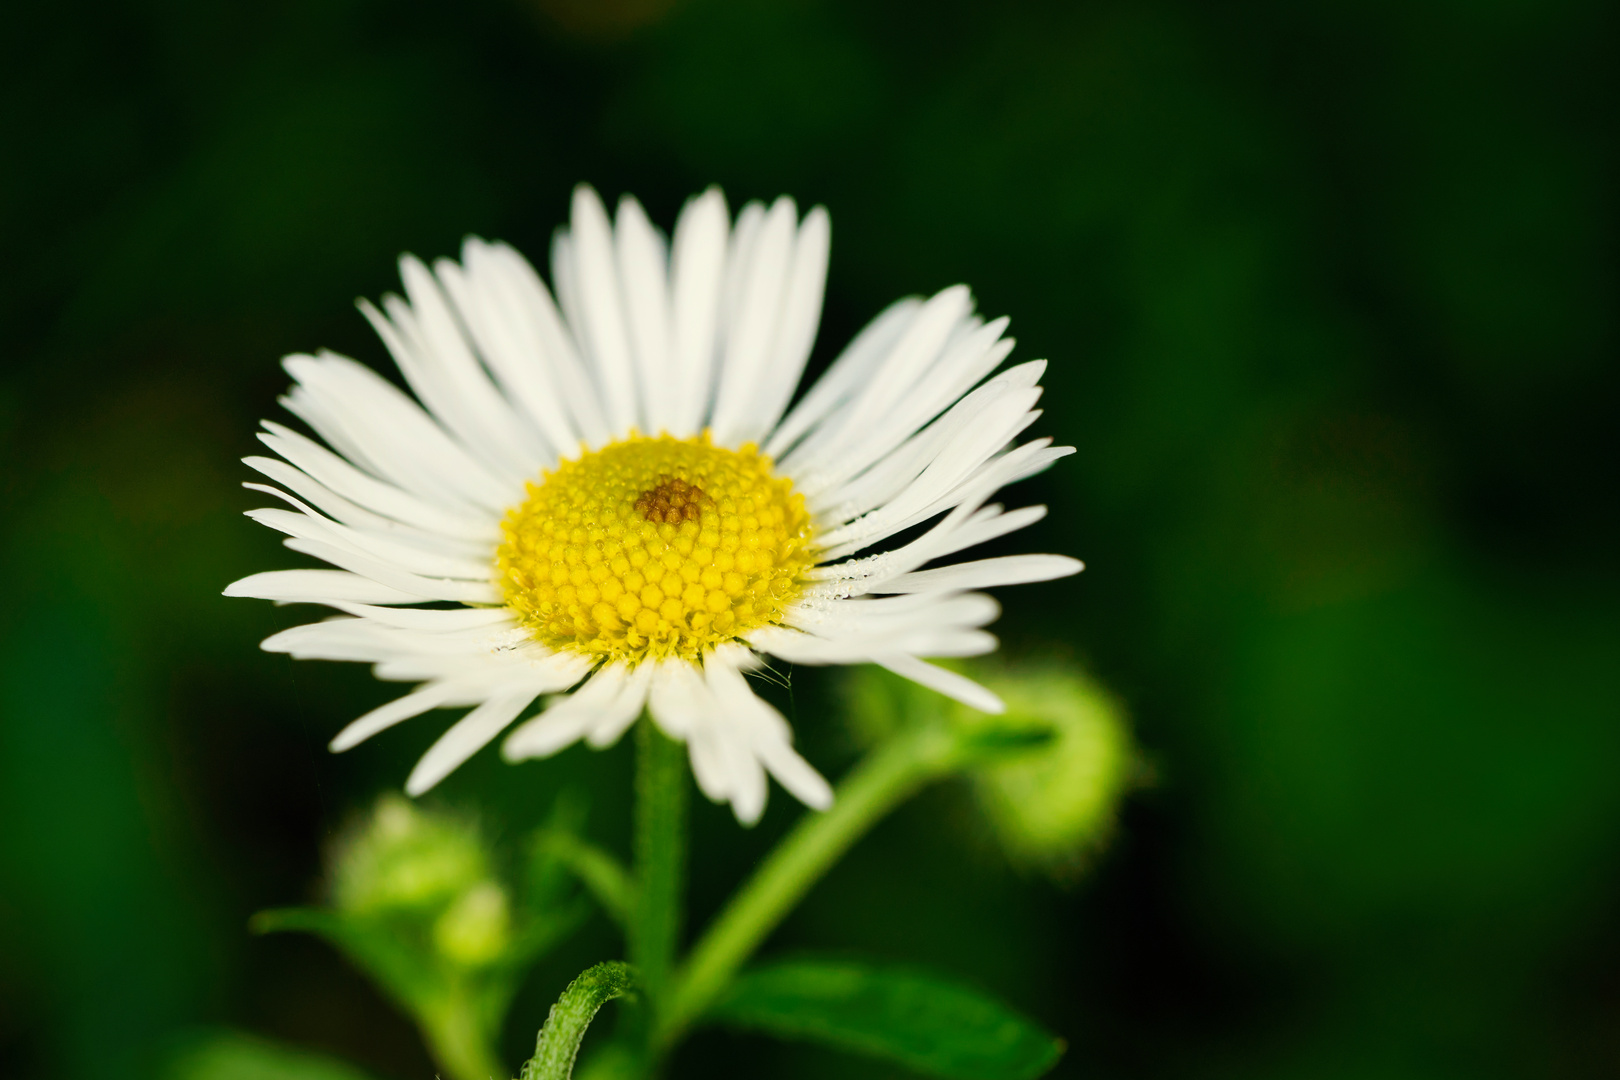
point(928, 1024)
point(234, 1055)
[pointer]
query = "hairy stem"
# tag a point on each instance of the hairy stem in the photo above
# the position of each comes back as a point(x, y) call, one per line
point(557, 1045)
point(877, 785)
point(660, 860)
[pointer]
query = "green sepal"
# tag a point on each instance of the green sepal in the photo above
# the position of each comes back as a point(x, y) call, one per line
point(926, 1023)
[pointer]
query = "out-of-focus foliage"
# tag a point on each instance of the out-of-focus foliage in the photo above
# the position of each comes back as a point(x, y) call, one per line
point(230, 1055)
point(1063, 760)
point(1328, 295)
point(418, 907)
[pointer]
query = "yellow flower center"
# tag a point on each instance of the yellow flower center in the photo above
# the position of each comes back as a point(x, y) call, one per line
point(654, 547)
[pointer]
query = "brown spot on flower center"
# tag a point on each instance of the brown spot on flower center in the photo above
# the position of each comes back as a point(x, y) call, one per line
point(673, 501)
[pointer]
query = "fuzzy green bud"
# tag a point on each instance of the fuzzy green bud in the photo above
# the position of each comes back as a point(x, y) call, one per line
point(407, 859)
point(476, 929)
point(1054, 802)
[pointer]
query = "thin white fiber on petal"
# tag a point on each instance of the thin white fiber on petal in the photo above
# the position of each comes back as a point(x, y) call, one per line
point(602, 330)
point(698, 264)
point(949, 683)
point(766, 731)
point(752, 327)
point(643, 262)
point(469, 735)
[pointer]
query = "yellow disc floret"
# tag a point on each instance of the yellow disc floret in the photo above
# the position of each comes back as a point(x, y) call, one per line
point(654, 547)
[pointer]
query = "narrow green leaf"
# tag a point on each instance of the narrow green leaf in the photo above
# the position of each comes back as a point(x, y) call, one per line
point(928, 1024)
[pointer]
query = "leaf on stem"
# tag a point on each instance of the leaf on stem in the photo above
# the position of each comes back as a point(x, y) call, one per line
point(928, 1024)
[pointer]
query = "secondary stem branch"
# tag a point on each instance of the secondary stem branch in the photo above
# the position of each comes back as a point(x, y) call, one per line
point(879, 783)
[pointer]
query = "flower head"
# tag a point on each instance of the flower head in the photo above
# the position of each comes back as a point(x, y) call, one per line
point(612, 502)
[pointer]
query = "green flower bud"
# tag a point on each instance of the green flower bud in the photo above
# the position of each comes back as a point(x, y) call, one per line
point(475, 930)
point(406, 859)
point(1053, 803)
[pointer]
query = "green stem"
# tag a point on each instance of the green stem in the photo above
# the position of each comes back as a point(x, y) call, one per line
point(458, 1040)
point(558, 1042)
point(660, 859)
point(882, 781)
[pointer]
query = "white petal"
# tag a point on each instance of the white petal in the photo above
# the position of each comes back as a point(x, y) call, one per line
point(415, 703)
point(984, 573)
point(378, 496)
point(378, 426)
point(844, 377)
point(876, 394)
point(643, 265)
point(600, 704)
point(535, 315)
point(423, 588)
point(614, 719)
point(601, 328)
point(517, 361)
point(468, 736)
point(946, 682)
point(796, 329)
point(753, 324)
point(404, 556)
point(433, 620)
point(766, 732)
point(697, 271)
point(317, 587)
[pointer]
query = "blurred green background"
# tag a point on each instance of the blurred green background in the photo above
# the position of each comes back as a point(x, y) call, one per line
point(1329, 296)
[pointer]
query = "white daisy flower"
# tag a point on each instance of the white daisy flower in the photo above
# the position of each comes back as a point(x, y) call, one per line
point(612, 503)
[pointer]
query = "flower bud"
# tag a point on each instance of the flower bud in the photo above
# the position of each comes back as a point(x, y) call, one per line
point(407, 859)
point(1052, 803)
point(475, 930)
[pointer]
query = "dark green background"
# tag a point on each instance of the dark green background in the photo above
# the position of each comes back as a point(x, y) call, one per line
point(1329, 296)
